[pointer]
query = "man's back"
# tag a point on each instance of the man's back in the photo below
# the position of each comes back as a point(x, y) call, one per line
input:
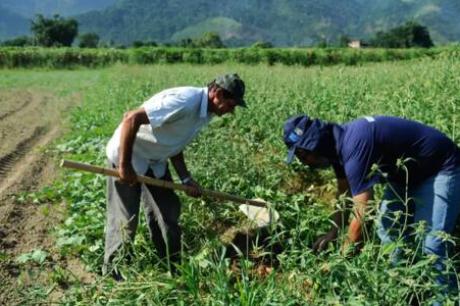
point(382, 140)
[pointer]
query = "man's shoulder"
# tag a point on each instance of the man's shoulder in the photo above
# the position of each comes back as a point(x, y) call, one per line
point(358, 128)
point(361, 122)
point(358, 135)
point(179, 96)
point(184, 92)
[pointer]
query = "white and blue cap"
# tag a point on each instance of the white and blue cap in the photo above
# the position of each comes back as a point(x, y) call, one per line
point(294, 130)
point(303, 132)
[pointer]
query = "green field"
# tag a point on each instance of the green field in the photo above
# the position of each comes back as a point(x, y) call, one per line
point(241, 154)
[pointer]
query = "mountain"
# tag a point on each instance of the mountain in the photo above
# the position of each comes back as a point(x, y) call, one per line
point(12, 24)
point(242, 22)
point(16, 15)
point(29, 8)
point(440, 16)
point(282, 22)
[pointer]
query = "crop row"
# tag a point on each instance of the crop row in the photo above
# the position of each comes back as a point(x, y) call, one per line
point(74, 57)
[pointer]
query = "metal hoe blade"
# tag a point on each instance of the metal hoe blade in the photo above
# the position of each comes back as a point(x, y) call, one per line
point(261, 216)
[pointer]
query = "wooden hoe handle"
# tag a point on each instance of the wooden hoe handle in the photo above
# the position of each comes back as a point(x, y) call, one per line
point(161, 183)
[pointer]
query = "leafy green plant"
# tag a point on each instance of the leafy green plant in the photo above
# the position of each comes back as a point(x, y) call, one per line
point(36, 256)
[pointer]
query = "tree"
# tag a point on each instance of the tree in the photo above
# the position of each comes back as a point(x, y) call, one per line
point(88, 40)
point(322, 43)
point(344, 40)
point(409, 35)
point(21, 41)
point(187, 43)
point(262, 45)
point(139, 44)
point(54, 32)
point(209, 40)
point(421, 36)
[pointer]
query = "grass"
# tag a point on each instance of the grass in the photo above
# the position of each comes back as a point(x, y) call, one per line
point(243, 154)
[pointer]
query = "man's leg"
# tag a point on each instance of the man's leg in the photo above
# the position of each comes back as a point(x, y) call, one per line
point(438, 204)
point(162, 210)
point(122, 216)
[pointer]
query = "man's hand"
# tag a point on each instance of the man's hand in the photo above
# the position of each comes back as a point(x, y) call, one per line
point(127, 174)
point(350, 248)
point(322, 242)
point(181, 169)
point(197, 189)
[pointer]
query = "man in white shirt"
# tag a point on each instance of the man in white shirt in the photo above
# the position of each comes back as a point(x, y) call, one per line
point(142, 144)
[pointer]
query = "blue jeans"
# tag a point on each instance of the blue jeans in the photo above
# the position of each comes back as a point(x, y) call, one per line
point(436, 201)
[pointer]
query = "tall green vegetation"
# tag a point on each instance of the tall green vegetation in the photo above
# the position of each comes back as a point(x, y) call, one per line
point(409, 35)
point(74, 57)
point(208, 40)
point(54, 32)
point(139, 44)
point(20, 41)
point(88, 40)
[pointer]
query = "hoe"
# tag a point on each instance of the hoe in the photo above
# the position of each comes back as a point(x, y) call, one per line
point(256, 210)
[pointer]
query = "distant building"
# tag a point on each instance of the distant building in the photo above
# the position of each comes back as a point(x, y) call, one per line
point(356, 44)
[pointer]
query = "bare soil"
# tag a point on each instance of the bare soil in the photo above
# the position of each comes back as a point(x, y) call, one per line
point(29, 122)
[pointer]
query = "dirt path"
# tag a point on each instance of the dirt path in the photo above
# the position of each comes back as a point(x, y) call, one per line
point(29, 121)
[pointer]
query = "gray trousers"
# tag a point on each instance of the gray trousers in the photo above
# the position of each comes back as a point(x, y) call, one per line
point(161, 208)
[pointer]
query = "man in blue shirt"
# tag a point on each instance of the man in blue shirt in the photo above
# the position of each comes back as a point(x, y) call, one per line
point(419, 164)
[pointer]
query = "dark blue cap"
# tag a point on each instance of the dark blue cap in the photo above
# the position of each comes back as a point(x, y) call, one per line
point(303, 132)
point(294, 130)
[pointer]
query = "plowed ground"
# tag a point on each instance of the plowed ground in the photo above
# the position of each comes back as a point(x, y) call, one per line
point(29, 121)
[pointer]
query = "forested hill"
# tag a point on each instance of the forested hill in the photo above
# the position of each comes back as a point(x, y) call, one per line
point(282, 22)
point(29, 8)
point(15, 15)
point(12, 24)
point(242, 22)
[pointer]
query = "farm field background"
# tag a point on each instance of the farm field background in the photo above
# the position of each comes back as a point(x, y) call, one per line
point(241, 154)
point(57, 58)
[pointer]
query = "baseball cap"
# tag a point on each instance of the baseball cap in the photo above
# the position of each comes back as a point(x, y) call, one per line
point(313, 135)
point(234, 85)
point(294, 132)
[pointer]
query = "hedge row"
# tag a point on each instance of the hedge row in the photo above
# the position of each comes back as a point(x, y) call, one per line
point(74, 57)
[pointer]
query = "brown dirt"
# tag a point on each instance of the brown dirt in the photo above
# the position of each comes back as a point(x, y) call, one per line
point(29, 121)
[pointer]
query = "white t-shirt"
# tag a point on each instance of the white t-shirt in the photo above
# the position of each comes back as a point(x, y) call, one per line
point(176, 115)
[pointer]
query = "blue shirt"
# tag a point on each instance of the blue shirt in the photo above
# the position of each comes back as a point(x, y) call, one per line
point(369, 149)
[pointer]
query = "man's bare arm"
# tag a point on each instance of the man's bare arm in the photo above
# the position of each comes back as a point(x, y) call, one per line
point(132, 120)
point(339, 218)
point(178, 162)
point(357, 223)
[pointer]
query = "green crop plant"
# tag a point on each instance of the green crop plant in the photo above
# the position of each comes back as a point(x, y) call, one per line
point(29, 57)
point(244, 154)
